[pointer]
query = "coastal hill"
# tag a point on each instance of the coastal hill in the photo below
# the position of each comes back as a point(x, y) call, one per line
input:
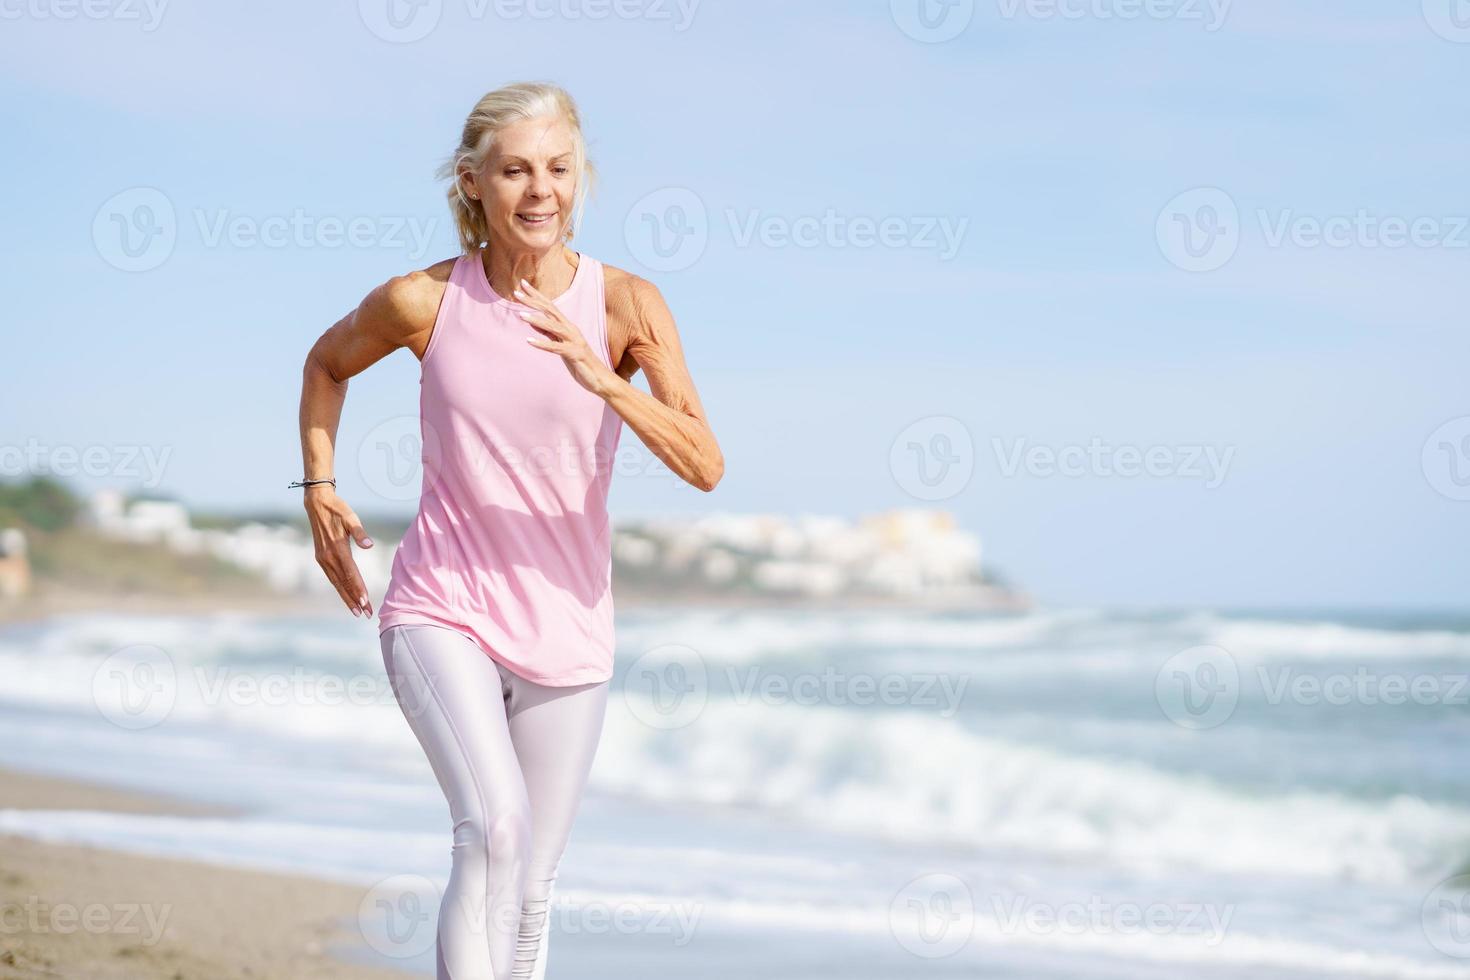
point(53, 542)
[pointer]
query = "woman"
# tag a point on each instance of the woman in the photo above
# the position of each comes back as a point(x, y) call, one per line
point(497, 627)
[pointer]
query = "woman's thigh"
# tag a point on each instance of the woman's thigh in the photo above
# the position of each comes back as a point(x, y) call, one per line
point(555, 731)
point(454, 699)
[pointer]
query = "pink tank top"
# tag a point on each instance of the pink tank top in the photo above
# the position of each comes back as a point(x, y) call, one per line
point(512, 544)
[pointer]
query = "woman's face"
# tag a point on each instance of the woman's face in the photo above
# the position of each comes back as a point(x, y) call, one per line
point(527, 185)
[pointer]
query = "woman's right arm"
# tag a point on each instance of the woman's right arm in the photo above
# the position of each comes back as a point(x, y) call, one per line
point(399, 313)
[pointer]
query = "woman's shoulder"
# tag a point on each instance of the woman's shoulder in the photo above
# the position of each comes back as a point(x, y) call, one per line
point(408, 304)
point(627, 293)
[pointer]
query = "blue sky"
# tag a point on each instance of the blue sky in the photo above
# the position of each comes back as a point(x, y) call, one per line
point(1077, 155)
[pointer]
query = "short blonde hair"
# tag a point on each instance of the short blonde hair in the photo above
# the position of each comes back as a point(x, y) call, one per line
point(495, 111)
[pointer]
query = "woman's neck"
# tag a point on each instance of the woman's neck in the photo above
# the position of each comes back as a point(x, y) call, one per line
point(550, 272)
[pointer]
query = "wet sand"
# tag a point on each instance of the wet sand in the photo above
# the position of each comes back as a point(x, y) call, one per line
point(75, 911)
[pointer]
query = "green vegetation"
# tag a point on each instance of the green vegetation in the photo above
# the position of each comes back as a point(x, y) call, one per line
point(40, 504)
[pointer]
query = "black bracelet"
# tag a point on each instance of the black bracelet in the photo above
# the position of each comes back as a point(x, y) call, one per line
point(307, 483)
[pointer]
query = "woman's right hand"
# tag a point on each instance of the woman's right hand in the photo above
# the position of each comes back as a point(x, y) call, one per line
point(333, 523)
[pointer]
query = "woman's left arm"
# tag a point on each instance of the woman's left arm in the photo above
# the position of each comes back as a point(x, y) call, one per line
point(671, 422)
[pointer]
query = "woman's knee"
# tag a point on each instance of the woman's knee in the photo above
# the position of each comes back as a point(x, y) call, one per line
point(503, 836)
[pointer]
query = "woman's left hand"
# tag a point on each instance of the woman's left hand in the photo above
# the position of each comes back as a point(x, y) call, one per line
point(562, 337)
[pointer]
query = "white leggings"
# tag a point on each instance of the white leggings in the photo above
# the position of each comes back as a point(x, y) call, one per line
point(512, 758)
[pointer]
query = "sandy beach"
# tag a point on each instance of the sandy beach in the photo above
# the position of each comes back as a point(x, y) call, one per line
point(56, 601)
point(71, 911)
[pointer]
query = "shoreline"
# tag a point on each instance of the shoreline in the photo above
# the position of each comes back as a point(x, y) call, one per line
point(50, 602)
point(80, 910)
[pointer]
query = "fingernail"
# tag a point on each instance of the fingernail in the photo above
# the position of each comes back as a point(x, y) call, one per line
point(367, 542)
point(526, 284)
point(518, 294)
point(355, 613)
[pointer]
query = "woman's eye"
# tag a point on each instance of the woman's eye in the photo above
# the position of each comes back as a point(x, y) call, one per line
point(513, 171)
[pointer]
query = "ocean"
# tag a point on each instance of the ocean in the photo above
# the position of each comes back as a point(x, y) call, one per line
point(1063, 793)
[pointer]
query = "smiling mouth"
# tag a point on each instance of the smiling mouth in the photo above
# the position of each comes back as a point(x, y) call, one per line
point(535, 220)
